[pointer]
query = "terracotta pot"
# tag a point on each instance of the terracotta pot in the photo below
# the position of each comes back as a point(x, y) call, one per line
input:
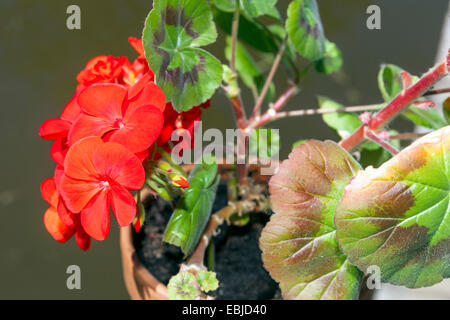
point(140, 283)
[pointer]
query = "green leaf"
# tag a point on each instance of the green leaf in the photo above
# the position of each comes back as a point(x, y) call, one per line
point(299, 246)
point(305, 30)
point(207, 280)
point(397, 217)
point(345, 123)
point(390, 81)
point(225, 5)
point(331, 61)
point(246, 67)
point(189, 219)
point(390, 84)
point(250, 31)
point(262, 7)
point(428, 118)
point(173, 31)
point(182, 287)
point(248, 71)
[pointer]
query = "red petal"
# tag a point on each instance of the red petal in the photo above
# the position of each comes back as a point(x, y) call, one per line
point(72, 110)
point(58, 230)
point(142, 128)
point(59, 172)
point(123, 205)
point(143, 155)
point(48, 191)
point(78, 163)
point(77, 193)
point(66, 216)
point(54, 128)
point(119, 164)
point(137, 45)
point(95, 217)
point(83, 239)
point(138, 86)
point(150, 94)
point(103, 100)
point(86, 126)
point(59, 150)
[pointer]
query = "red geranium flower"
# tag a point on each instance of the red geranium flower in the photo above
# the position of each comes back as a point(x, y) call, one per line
point(139, 67)
point(106, 113)
point(57, 228)
point(98, 175)
point(102, 69)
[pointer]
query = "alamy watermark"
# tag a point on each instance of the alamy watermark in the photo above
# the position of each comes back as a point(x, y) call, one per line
point(73, 21)
point(374, 20)
point(73, 282)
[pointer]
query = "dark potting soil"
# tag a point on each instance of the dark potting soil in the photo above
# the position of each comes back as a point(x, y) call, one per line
point(238, 263)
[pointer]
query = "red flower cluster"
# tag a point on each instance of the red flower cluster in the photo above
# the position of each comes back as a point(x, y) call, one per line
point(102, 137)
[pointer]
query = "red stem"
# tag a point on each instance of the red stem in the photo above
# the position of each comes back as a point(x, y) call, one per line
point(383, 143)
point(280, 103)
point(239, 113)
point(401, 101)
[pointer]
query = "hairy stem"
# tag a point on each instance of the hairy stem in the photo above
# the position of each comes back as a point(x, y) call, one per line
point(383, 143)
point(398, 104)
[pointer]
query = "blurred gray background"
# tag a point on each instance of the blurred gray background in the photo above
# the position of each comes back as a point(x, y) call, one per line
point(40, 57)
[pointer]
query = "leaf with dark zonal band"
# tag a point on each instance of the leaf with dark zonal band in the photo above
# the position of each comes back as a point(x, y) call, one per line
point(299, 246)
point(173, 31)
point(397, 217)
point(189, 219)
point(305, 30)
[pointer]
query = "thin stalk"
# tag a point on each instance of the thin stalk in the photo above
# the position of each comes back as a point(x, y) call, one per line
point(234, 36)
point(407, 136)
point(308, 112)
point(236, 101)
point(383, 143)
point(437, 91)
point(278, 104)
point(269, 79)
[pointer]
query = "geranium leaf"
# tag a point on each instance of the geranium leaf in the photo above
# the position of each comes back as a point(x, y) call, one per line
point(345, 123)
point(299, 246)
point(173, 32)
point(305, 30)
point(331, 61)
point(225, 5)
point(390, 84)
point(250, 31)
point(189, 219)
point(258, 8)
point(389, 81)
point(397, 216)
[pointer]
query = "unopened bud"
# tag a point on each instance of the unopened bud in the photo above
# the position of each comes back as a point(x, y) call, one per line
point(178, 180)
